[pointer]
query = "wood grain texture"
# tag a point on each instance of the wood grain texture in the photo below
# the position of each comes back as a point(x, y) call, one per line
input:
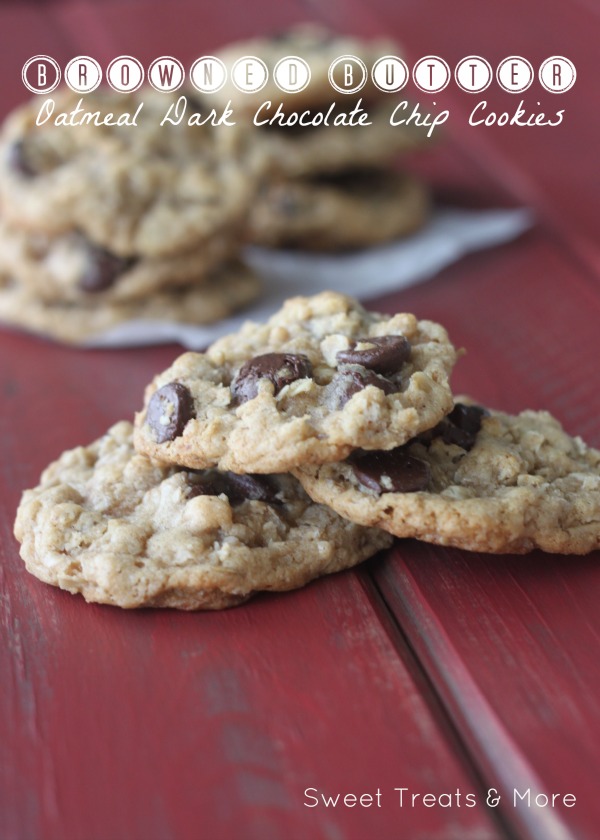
point(428, 668)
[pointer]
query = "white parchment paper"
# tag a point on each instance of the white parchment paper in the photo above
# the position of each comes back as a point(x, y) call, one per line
point(450, 234)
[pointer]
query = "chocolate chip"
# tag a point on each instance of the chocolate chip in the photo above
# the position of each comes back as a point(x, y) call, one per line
point(207, 483)
point(386, 355)
point(278, 368)
point(237, 488)
point(349, 380)
point(254, 487)
point(391, 472)
point(19, 161)
point(468, 417)
point(102, 268)
point(460, 427)
point(169, 410)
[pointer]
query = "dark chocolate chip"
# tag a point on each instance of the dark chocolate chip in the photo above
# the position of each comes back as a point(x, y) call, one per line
point(169, 410)
point(349, 380)
point(278, 368)
point(387, 355)
point(460, 427)
point(207, 483)
point(19, 161)
point(254, 487)
point(391, 472)
point(103, 269)
point(468, 417)
point(237, 488)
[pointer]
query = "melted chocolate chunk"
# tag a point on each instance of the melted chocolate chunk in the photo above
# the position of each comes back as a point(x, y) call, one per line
point(278, 368)
point(387, 355)
point(169, 410)
point(237, 488)
point(468, 417)
point(460, 427)
point(349, 380)
point(103, 269)
point(391, 472)
point(19, 161)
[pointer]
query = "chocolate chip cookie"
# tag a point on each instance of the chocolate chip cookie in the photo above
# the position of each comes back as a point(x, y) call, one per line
point(340, 211)
point(69, 268)
point(317, 46)
point(296, 151)
point(142, 190)
point(318, 144)
point(322, 377)
point(480, 480)
point(108, 523)
point(228, 288)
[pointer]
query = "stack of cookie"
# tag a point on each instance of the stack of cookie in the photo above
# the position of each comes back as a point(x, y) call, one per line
point(297, 448)
point(104, 223)
point(329, 187)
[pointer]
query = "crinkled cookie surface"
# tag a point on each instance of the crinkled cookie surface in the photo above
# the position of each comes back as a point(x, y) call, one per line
point(228, 288)
point(137, 190)
point(107, 523)
point(493, 483)
point(322, 377)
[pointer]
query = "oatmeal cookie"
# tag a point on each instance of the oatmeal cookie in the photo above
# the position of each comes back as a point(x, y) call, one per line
point(318, 46)
point(482, 480)
point(230, 287)
point(71, 268)
point(136, 190)
point(108, 523)
point(322, 377)
point(342, 211)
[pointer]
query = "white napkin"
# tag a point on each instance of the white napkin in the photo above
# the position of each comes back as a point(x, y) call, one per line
point(389, 268)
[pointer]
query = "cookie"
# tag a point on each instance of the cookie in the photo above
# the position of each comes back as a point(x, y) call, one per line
point(229, 288)
point(296, 151)
point(344, 211)
point(109, 524)
point(71, 268)
point(482, 481)
point(322, 377)
point(136, 190)
point(316, 45)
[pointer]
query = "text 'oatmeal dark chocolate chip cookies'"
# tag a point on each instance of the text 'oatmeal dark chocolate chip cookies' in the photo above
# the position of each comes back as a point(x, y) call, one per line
point(480, 480)
point(321, 378)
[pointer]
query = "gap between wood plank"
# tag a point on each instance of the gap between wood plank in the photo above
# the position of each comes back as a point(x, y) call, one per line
point(402, 643)
point(495, 759)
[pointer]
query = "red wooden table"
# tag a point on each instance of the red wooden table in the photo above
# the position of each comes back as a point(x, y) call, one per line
point(428, 669)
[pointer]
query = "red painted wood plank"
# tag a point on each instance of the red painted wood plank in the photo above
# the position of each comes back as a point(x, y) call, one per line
point(512, 648)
